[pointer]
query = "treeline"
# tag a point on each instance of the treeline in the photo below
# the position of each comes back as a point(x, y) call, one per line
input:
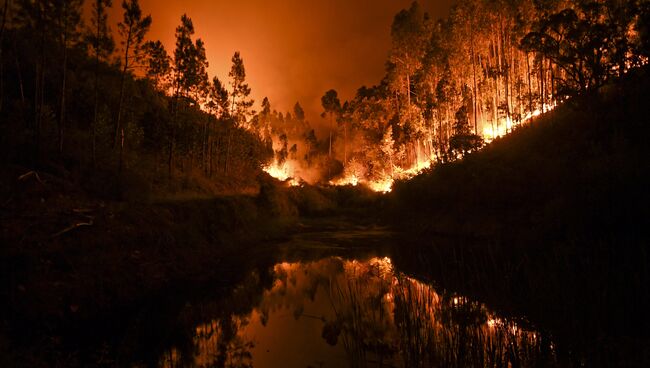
point(71, 87)
point(488, 68)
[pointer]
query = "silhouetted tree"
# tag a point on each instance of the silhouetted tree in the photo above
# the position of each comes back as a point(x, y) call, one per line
point(68, 20)
point(132, 29)
point(332, 106)
point(240, 93)
point(101, 43)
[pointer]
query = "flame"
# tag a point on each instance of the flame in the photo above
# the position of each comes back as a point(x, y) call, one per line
point(505, 126)
point(283, 172)
point(289, 171)
point(381, 186)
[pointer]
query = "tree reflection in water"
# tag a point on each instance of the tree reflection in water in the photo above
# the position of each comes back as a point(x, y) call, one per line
point(363, 313)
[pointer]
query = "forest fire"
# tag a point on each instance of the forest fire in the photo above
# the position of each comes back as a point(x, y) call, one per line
point(150, 149)
point(282, 172)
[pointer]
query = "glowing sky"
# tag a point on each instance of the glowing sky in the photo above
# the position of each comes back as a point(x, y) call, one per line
point(293, 50)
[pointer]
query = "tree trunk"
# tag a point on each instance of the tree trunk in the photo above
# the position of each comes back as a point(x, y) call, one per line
point(206, 146)
point(63, 86)
point(530, 89)
point(122, 87)
point(542, 92)
point(331, 124)
point(472, 55)
point(408, 93)
point(345, 144)
point(121, 163)
point(96, 102)
point(170, 158)
point(2, 33)
point(21, 86)
point(228, 151)
point(95, 115)
point(210, 154)
point(39, 92)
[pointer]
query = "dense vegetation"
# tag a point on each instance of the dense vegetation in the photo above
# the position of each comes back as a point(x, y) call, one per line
point(450, 85)
point(487, 69)
point(131, 115)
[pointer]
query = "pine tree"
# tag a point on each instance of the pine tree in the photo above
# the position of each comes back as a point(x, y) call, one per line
point(101, 43)
point(68, 20)
point(133, 28)
point(159, 69)
point(241, 105)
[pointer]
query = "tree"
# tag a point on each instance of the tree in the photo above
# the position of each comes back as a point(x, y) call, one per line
point(240, 90)
point(190, 62)
point(387, 147)
point(100, 40)
point(191, 77)
point(410, 33)
point(132, 29)
point(298, 112)
point(332, 106)
point(589, 43)
point(312, 147)
point(3, 24)
point(463, 141)
point(642, 28)
point(264, 121)
point(68, 19)
point(219, 99)
point(159, 69)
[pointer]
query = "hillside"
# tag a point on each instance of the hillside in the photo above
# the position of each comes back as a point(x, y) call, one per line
point(552, 221)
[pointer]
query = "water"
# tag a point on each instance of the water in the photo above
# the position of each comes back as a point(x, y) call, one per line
point(332, 311)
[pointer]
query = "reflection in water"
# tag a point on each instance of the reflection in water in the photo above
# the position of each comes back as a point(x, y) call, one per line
point(335, 312)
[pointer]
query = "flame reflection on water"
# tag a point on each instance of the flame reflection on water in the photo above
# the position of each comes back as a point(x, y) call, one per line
point(356, 312)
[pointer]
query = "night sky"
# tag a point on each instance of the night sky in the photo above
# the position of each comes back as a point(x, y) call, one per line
point(293, 50)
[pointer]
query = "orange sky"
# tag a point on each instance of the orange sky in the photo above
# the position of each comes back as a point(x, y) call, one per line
point(293, 50)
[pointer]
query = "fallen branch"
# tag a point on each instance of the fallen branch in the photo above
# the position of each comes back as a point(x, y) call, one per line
point(72, 227)
point(84, 213)
point(29, 175)
point(82, 210)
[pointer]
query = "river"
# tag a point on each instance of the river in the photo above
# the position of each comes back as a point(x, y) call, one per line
point(334, 298)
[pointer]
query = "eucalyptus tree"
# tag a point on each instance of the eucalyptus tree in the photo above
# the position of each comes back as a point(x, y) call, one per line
point(577, 42)
point(332, 108)
point(410, 32)
point(301, 122)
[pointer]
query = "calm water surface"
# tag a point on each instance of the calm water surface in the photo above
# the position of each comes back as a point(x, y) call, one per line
point(340, 312)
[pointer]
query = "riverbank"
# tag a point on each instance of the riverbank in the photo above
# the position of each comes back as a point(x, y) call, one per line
point(74, 260)
point(551, 222)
